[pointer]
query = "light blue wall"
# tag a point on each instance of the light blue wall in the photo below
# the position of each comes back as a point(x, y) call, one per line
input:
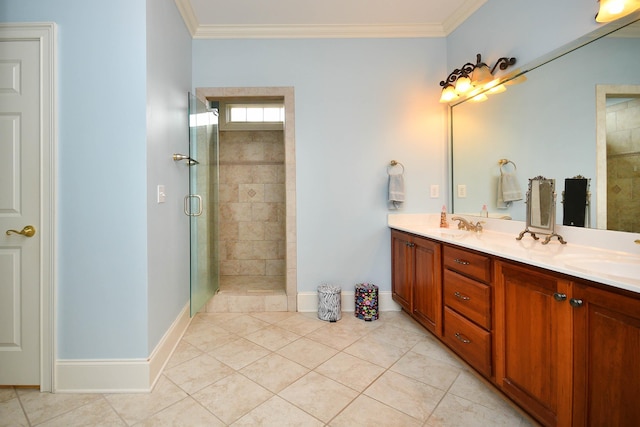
point(358, 105)
point(168, 82)
point(522, 29)
point(124, 71)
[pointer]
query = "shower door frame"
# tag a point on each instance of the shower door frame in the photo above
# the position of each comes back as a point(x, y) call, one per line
point(201, 205)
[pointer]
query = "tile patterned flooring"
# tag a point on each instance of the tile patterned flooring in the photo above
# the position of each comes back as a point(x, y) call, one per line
point(288, 369)
point(247, 285)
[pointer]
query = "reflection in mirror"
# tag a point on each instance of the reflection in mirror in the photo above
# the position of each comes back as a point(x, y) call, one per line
point(575, 202)
point(541, 209)
point(545, 125)
point(540, 203)
point(618, 157)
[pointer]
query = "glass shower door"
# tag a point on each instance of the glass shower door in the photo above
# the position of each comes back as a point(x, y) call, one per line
point(202, 203)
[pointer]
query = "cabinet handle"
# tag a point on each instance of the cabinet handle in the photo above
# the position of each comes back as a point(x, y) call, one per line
point(461, 261)
point(410, 245)
point(462, 338)
point(575, 302)
point(559, 296)
point(461, 297)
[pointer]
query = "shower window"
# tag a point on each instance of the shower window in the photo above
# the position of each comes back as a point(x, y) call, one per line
point(253, 116)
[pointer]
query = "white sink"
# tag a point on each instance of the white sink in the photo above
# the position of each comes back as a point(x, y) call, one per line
point(451, 233)
point(624, 267)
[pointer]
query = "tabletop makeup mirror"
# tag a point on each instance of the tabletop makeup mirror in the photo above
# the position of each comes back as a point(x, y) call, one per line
point(554, 124)
point(541, 210)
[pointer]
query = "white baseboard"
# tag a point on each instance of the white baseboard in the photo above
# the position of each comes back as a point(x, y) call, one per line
point(120, 375)
point(308, 301)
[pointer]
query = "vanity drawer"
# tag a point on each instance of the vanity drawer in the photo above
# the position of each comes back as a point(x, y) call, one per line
point(470, 298)
point(470, 264)
point(470, 341)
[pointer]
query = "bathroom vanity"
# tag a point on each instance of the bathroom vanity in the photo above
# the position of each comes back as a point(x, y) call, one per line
point(555, 327)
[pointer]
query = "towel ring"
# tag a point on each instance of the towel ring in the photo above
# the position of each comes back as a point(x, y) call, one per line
point(394, 163)
point(503, 162)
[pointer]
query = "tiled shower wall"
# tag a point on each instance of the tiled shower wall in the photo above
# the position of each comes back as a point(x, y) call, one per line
point(623, 166)
point(252, 204)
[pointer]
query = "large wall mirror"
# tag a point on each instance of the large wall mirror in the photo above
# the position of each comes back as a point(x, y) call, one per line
point(577, 113)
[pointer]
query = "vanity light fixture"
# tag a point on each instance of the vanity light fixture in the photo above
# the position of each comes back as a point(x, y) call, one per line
point(610, 10)
point(474, 77)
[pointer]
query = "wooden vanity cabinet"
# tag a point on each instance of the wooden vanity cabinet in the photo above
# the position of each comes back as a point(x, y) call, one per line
point(606, 340)
point(467, 306)
point(416, 278)
point(564, 349)
point(533, 358)
point(402, 270)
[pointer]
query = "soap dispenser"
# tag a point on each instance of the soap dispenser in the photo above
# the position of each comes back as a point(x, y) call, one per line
point(484, 213)
point(443, 218)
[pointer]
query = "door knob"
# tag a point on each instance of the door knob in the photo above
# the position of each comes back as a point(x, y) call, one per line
point(27, 231)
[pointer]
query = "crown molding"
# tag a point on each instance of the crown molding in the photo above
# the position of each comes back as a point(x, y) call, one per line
point(297, 31)
point(317, 31)
point(188, 16)
point(467, 9)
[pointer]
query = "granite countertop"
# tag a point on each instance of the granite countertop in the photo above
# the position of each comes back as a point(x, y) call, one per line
point(611, 258)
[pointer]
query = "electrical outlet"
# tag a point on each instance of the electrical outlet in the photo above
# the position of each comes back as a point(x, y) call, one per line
point(435, 191)
point(462, 191)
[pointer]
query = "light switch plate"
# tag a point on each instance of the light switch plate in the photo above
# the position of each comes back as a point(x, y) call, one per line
point(435, 191)
point(462, 191)
point(161, 194)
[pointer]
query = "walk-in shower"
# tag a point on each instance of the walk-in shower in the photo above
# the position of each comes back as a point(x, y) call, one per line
point(255, 205)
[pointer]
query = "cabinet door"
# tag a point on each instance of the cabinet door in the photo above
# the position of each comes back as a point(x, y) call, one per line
point(402, 269)
point(607, 345)
point(427, 287)
point(533, 348)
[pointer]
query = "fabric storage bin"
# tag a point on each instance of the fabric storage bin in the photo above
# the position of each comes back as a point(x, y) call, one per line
point(366, 296)
point(329, 303)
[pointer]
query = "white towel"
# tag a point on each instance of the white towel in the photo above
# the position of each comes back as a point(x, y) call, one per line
point(396, 189)
point(508, 189)
point(500, 203)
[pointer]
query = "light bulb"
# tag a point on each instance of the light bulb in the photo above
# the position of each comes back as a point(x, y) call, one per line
point(614, 7)
point(448, 94)
point(610, 10)
point(463, 84)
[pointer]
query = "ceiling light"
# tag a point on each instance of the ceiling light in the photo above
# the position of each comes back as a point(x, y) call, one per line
point(610, 10)
point(496, 89)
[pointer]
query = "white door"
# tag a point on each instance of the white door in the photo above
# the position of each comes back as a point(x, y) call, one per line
point(20, 281)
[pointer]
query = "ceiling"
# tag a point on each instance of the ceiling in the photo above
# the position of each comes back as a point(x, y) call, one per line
point(209, 19)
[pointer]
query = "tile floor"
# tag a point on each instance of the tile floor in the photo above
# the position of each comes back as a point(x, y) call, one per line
point(248, 294)
point(288, 369)
point(247, 285)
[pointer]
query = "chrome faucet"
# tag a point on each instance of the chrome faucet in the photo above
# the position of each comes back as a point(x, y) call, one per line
point(463, 224)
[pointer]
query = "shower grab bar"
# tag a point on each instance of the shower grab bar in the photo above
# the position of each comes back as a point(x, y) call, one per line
point(187, 205)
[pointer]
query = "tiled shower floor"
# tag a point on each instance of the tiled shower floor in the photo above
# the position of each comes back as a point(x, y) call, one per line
point(251, 285)
point(288, 369)
point(246, 294)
